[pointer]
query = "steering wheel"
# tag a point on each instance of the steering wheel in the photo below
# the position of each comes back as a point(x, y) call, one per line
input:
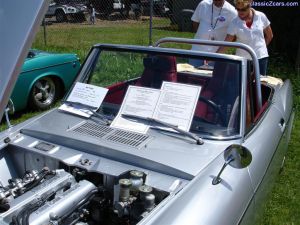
point(215, 108)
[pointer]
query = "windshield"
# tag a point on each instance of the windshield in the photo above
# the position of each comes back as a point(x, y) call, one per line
point(217, 110)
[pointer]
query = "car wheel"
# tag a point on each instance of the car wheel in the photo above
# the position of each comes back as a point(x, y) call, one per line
point(60, 16)
point(44, 93)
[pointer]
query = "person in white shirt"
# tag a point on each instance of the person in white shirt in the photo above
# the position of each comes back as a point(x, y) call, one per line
point(92, 15)
point(253, 28)
point(210, 22)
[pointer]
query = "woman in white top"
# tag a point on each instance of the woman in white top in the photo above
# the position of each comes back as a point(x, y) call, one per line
point(253, 28)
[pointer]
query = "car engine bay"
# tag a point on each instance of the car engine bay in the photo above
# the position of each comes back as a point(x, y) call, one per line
point(32, 192)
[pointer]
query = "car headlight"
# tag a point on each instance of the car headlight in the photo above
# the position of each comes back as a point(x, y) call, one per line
point(71, 9)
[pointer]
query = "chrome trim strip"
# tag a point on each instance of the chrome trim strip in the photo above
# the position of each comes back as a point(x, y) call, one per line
point(50, 66)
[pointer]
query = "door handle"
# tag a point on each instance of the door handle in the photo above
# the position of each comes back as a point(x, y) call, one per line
point(282, 124)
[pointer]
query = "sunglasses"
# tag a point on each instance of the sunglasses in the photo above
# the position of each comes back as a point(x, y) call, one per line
point(242, 9)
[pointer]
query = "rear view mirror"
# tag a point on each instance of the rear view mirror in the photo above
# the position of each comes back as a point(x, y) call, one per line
point(241, 155)
point(236, 156)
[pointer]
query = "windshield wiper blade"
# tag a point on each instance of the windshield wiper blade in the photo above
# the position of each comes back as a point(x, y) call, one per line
point(198, 139)
point(90, 109)
point(71, 103)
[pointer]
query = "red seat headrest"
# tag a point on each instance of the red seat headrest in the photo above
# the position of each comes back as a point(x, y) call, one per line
point(158, 69)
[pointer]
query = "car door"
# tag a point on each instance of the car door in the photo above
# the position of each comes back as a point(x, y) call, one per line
point(267, 140)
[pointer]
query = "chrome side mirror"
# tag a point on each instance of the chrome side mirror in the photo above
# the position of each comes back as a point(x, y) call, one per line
point(236, 156)
point(10, 109)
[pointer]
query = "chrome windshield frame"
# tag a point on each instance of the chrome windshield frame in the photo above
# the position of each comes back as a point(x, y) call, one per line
point(98, 48)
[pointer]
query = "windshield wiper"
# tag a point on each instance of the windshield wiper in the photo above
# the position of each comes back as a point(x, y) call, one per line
point(91, 109)
point(198, 139)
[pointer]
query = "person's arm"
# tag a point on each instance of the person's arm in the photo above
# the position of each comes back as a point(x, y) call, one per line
point(268, 34)
point(229, 38)
point(196, 18)
point(195, 26)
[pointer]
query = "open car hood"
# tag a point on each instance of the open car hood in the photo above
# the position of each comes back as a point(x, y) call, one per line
point(18, 28)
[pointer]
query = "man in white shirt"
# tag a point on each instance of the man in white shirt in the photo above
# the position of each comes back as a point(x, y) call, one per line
point(211, 20)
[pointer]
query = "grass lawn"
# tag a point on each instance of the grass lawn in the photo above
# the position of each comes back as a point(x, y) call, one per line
point(283, 206)
point(79, 38)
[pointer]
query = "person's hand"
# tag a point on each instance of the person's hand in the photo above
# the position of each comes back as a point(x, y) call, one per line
point(207, 65)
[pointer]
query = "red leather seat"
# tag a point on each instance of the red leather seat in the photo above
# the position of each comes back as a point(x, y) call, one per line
point(218, 90)
point(158, 69)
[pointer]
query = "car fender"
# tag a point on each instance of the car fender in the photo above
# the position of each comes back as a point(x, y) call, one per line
point(63, 8)
point(48, 74)
point(54, 71)
point(23, 88)
point(201, 202)
point(268, 141)
point(49, 65)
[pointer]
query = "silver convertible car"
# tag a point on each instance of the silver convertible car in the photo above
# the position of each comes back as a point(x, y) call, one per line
point(145, 137)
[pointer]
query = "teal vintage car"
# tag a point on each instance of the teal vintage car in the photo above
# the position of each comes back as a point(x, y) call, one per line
point(44, 78)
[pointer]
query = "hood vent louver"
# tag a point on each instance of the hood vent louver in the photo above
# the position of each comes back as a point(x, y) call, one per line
point(92, 129)
point(127, 138)
point(123, 137)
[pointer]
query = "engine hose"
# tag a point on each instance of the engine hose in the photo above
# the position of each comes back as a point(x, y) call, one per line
point(18, 220)
point(36, 182)
point(24, 214)
point(4, 207)
point(25, 220)
point(14, 220)
point(75, 221)
point(79, 204)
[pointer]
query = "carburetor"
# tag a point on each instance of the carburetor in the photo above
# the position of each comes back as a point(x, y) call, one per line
point(135, 198)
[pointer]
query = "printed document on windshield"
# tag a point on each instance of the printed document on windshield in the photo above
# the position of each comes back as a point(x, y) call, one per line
point(139, 101)
point(83, 99)
point(175, 104)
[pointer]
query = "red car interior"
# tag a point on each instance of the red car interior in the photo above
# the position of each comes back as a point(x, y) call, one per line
point(158, 69)
point(163, 68)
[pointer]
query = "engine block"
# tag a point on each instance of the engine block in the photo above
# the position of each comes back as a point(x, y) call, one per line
point(66, 193)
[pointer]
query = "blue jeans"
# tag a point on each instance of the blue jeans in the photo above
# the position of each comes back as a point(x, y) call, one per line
point(199, 62)
point(263, 64)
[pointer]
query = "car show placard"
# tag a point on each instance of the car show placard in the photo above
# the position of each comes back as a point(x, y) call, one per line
point(137, 101)
point(175, 104)
point(83, 99)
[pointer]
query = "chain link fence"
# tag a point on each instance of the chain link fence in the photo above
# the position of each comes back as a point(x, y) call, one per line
point(82, 23)
point(76, 25)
